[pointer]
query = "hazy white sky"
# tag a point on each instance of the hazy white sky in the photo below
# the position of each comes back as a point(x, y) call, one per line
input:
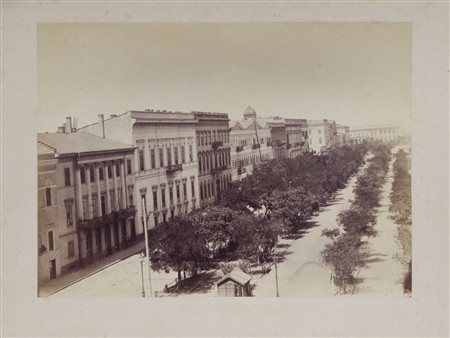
point(355, 73)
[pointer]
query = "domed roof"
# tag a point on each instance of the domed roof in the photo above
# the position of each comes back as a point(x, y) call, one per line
point(249, 113)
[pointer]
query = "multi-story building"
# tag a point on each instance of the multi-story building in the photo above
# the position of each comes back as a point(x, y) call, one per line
point(385, 133)
point(321, 134)
point(296, 136)
point(342, 134)
point(86, 199)
point(165, 159)
point(251, 143)
point(278, 138)
point(213, 153)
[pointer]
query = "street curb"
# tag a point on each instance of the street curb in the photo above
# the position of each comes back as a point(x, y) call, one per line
point(92, 273)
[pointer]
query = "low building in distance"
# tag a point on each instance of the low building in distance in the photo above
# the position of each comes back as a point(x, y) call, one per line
point(86, 199)
point(385, 133)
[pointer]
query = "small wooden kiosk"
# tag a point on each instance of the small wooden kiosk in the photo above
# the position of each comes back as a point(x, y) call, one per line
point(234, 284)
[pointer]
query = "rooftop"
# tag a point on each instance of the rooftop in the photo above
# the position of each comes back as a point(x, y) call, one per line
point(79, 142)
point(236, 275)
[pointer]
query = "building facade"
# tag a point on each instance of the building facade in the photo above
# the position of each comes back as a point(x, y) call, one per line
point(165, 162)
point(342, 134)
point(251, 144)
point(296, 137)
point(278, 138)
point(214, 155)
point(385, 133)
point(86, 200)
point(322, 134)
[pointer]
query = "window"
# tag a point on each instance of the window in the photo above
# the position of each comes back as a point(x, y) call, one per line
point(201, 192)
point(51, 244)
point(191, 155)
point(152, 158)
point(67, 177)
point(156, 220)
point(161, 158)
point(85, 208)
point(169, 156)
point(117, 169)
point(163, 197)
point(155, 200)
point(83, 175)
point(200, 163)
point(69, 211)
point(183, 155)
point(192, 188)
point(172, 213)
point(175, 152)
point(48, 196)
point(184, 190)
point(130, 195)
point(103, 203)
point(109, 171)
point(129, 171)
point(198, 138)
point(164, 217)
point(92, 174)
point(178, 193)
point(100, 173)
point(70, 249)
point(95, 206)
point(171, 195)
point(141, 160)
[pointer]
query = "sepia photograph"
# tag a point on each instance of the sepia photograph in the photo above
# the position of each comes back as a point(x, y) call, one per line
point(224, 168)
point(224, 160)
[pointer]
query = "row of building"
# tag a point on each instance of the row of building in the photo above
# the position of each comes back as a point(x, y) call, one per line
point(94, 180)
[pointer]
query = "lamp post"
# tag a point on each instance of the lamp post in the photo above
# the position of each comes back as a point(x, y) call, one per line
point(144, 220)
point(141, 256)
point(276, 276)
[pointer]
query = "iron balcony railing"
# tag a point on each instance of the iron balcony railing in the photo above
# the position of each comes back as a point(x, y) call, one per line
point(256, 146)
point(239, 149)
point(217, 144)
point(171, 169)
point(108, 218)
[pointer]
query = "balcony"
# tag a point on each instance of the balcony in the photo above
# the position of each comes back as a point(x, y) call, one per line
point(172, 169)
point(217, 144)
point(218, 169)
point(97, 222)
point(239, 149)
point(256, 146)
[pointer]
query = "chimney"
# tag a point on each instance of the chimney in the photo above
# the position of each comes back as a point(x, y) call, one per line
point(68, 125)
point(101, 121)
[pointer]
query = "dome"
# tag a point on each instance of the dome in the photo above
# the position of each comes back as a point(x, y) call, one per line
point(249, 113)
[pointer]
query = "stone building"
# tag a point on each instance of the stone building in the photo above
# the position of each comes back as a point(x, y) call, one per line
point(85, 199)
point(322, 134)
point(165, 161)
point(385, 133)
point(251, 143)
point(342, 134)
point(213, 153)
point(296, 137)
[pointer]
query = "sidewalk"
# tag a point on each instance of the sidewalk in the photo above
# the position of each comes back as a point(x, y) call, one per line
point(70, 278)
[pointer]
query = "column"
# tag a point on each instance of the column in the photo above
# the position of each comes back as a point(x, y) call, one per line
point(136, 160)
point(89, 192)
point(116, 194)
point(99, 196)
point(157, 154)
point(108, 197)
point(79, 196)
point(124, 185)
point(146, 155)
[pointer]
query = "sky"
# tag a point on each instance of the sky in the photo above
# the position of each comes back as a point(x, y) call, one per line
point(354, 73)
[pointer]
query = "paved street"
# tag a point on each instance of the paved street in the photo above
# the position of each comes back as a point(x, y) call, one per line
point(382, 274)
point(302, 273)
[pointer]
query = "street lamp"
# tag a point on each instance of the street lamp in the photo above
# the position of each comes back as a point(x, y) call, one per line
point(141, 256)
point(276, 276)
point(144, 220)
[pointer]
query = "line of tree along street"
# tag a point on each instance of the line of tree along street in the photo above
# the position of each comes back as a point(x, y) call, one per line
point(401, 210)
point(251, 216)
point(344, 255)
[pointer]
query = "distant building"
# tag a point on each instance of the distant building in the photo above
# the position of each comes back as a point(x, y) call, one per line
point(86, 203)
point(322, 134)
point(342, 134)
point(297, 137)
point(251, 143)
point(385, 133)
point(278, 138)
point(214, 155)
point(165, 161)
